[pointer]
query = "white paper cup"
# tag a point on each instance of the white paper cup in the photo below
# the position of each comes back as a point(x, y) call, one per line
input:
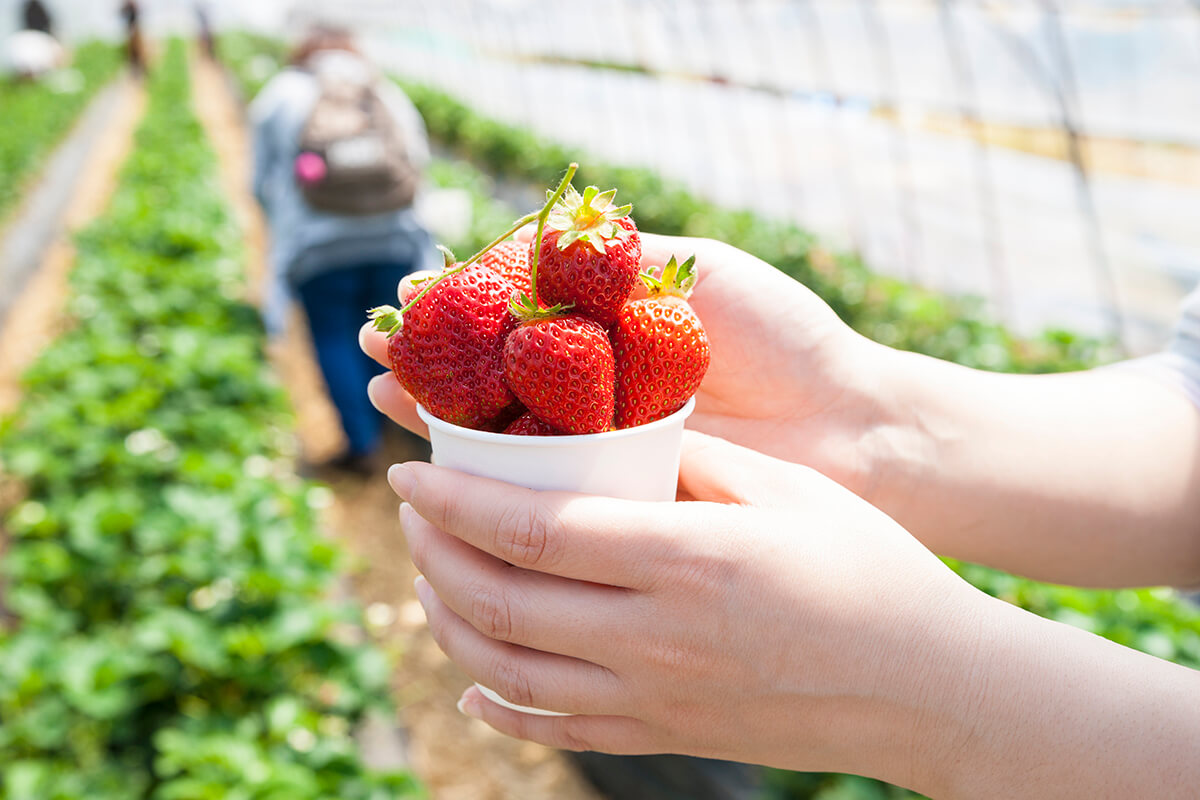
point(639, 463)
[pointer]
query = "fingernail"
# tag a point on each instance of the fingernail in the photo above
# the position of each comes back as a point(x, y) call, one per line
point(372, 390)
point(423, 589)
point(406, 515)
point(402, 480)
point(469, 705)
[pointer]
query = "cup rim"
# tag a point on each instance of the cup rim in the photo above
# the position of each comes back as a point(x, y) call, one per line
point(565, 440)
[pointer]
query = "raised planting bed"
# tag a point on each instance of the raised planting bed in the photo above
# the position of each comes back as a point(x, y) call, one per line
point(168, 631)
point(38, 114)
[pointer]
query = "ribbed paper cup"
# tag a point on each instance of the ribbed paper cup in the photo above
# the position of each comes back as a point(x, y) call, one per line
point(639, 463)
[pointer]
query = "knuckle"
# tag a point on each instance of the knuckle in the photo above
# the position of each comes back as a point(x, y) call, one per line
point(444, 508)
point(669, 658)
point(524, 536)
point(491, 612)
point(418, 549)
point(512, 682)
point(442, 637)
point(572, 736)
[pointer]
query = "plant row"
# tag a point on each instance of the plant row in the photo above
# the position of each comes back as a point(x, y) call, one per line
point(1156, 621)
point(252, 59)
point(38, 114)
point(167, 630)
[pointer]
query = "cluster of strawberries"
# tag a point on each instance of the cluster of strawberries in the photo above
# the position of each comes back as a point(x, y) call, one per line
point(544, 339)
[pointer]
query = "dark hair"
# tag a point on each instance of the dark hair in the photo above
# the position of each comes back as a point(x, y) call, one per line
point(322, 38)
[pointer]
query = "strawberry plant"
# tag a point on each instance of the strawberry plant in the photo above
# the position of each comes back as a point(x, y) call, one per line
point(38, 114)
point(167, 632)
point(252, 59)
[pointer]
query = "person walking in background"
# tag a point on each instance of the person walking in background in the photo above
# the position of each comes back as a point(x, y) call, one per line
point(36, 17)
point(33, 51)
point(135, 50)
point(205, 31)
point(338, 154)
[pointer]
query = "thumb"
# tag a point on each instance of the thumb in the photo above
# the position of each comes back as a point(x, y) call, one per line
point(718, 471)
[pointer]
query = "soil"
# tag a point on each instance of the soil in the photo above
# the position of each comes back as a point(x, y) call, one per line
point(34, 319)
point(456, 757)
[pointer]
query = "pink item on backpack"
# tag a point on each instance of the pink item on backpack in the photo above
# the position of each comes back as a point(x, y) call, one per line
point(310, 168)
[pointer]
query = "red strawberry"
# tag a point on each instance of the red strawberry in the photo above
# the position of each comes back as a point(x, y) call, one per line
point(589, 254)
point(561, 368)
point(529, 425)
point(510, 259)
point(660, 348)
point(447, 349)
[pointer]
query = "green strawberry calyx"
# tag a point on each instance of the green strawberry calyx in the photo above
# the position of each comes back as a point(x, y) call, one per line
point(676, 279)
point(589, 217)
point(386, 318)
point(526, 308)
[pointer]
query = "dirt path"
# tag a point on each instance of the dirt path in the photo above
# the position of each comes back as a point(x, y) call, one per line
point(459, 759)
point(33, 319)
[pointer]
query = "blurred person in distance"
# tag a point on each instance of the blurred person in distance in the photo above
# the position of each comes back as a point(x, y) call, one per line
point(30, 54)
point(791, 612)
point(36, 17)
point(135, 46)
point(33, 51)
point(338, 157)
point(204, 30)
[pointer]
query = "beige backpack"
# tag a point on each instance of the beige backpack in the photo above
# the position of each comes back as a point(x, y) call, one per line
point(352, 158)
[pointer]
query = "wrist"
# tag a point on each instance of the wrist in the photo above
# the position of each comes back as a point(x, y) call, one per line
point(909, 708)
point(1029, 707)
point(929, 719)
point(886, 446)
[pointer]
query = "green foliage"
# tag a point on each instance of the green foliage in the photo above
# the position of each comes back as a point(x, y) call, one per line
point(882, 308)
point(251, 59)
point(37, 114)
point(829, 786)
point(165, 573)
point(488, 216)
point(1154, 621)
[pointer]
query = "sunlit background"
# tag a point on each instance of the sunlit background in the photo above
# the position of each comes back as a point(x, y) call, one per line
point(1041, 155)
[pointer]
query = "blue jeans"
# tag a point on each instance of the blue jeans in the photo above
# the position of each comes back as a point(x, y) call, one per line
point(336, 304)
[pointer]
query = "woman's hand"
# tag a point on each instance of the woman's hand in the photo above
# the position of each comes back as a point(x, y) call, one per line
point(779, 619)
point(787, 377)
point(1087, 478)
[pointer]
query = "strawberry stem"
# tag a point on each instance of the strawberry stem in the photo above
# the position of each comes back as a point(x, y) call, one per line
point(540, 216)
point(541, 220)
